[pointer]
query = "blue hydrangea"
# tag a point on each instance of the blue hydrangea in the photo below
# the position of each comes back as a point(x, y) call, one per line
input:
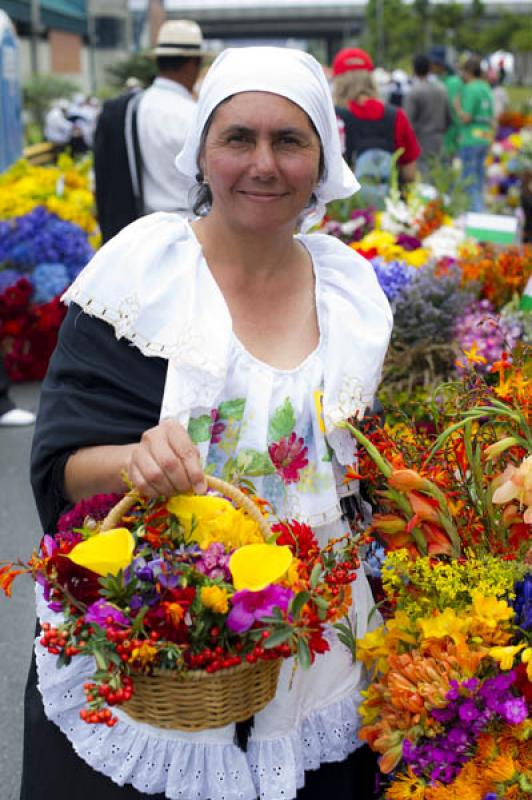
point(393, 276)
point(41, 237)
point(48, 281)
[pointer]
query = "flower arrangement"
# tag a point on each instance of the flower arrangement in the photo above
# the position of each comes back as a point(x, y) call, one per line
point(48, 233)
point(191, 584)
point(449, 701)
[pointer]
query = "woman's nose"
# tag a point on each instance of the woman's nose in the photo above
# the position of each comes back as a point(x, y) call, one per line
point(264, 163)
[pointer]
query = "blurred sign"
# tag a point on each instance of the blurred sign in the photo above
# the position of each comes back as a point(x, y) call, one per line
point(11, 133)
point(492, 228)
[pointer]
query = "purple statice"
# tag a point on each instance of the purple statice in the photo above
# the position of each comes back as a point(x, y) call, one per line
point(214, 562)
point(522, 603)
point(41, 237)
point(48, 281)
point(471, 706)
point(481, 325)
point(393, 276)
point(426, 309)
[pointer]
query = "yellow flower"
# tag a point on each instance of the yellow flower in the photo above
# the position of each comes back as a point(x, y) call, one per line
point(144, 654)
point(526, 658)
point(443, 624)
point(505, 655)
point(256, 566)
point(490, 611)
point(374, 649)
point(215, 599)
point(501, 769)
point(207, 518)
point(105, 553)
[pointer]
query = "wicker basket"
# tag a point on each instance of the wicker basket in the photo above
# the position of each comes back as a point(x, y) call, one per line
point(197, 700)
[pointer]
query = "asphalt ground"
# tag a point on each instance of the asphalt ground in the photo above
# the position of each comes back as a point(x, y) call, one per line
point(19, 534)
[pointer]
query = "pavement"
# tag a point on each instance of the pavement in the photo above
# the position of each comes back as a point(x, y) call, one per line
point(19, 534)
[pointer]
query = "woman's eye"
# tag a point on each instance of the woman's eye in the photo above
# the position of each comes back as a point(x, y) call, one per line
point(238, 138)
point(290, 141)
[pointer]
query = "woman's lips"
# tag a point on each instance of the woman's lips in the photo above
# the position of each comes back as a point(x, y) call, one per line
point(262, 197)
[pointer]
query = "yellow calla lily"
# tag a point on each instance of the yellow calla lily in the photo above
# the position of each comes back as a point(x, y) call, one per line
point(255, 566)
point(105, 553)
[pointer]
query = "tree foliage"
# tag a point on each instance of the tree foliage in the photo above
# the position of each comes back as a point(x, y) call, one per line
point(137, 65)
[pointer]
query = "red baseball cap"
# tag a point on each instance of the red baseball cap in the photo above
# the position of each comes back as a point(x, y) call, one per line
point(349, 59)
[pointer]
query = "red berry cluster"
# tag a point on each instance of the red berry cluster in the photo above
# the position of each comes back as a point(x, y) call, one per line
point(342, 574)
point(58, 640)
point(104, 694)
point(214, 659)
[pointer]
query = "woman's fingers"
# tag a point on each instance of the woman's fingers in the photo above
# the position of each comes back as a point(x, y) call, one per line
point(166, 462)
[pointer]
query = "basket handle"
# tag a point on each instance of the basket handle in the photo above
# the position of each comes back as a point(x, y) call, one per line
point(241, 500)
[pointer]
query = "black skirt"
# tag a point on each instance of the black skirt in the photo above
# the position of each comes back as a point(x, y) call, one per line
point(53, 771)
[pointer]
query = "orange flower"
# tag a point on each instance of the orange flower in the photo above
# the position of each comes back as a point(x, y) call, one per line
point(8, 573)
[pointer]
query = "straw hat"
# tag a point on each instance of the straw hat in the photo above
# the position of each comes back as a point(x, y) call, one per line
point(179, 37)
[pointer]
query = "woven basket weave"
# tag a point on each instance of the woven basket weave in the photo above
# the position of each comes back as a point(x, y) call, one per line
point(197, 700)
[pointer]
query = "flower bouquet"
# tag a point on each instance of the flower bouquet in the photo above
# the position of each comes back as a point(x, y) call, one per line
point(448, 704)
point(187, 605)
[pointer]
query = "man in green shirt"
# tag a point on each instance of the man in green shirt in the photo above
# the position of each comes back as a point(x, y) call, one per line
point(453, 85)
point(474, 107)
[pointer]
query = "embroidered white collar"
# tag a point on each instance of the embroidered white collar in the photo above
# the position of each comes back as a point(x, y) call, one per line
point(152, 283)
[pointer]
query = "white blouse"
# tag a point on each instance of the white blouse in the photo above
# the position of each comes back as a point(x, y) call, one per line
point(266, 425)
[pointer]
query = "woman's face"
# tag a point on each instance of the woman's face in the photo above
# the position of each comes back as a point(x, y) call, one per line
point(261, 161)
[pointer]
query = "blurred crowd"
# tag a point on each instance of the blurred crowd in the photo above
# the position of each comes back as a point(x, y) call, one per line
point(71, 123)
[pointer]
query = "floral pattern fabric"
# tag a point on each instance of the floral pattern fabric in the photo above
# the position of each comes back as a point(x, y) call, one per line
point(267, 431)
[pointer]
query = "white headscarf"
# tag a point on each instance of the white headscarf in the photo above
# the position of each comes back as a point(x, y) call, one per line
point(292, 74)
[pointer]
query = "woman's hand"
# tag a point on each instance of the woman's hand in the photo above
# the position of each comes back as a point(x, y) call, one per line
point(166, 462)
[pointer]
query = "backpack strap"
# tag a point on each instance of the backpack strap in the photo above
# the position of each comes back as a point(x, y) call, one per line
point(351, 134)
point(134, 155)
point(388, 126)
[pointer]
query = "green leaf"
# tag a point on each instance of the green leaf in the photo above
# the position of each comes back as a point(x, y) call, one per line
point(298, 602)
point(303, 654)
point(282, 422)
point(315, 575)
point(232, 409)
point(252, 462)
point(229, 470)
point(278, 637)
point(199, 428)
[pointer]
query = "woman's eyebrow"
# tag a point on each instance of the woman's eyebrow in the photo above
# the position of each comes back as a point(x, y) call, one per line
point(245, 130)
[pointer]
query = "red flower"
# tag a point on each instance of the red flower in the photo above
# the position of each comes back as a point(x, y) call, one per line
point(298, 537)
point(83, 584)
point(289, 456)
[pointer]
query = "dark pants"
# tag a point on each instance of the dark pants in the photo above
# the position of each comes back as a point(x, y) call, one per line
point(6, 404)
point(53, 771)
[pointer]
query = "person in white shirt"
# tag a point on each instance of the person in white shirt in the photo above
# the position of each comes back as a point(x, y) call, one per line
point(57, 128)
point(139, 134)
point(164, 114)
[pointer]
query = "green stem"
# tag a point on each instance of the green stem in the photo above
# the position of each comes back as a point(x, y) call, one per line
point(384, 466)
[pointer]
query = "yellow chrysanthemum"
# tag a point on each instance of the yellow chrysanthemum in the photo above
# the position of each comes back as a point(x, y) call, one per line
point(207, 518)
point(256, 566)
point(105, 553)
point(526, 658)
point(215, 599)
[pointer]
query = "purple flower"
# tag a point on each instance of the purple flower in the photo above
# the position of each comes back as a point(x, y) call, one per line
point(514, 710)
point(214, 562)
point(250, 607)
point(100, 612)
point(468, 711)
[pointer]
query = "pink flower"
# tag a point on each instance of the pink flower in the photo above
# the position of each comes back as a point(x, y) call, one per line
point(516, 484)
point(217, 428)
point(250, 607)
point(289, 456)
point(105, 614)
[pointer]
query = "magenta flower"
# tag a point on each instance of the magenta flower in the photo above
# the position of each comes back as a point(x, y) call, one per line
point(218, 427)
point(103, 614)
point(250, 607)
point(289, 456)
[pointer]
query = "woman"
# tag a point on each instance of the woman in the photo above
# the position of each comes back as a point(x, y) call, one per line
point(369, 123)
point(210, 344)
